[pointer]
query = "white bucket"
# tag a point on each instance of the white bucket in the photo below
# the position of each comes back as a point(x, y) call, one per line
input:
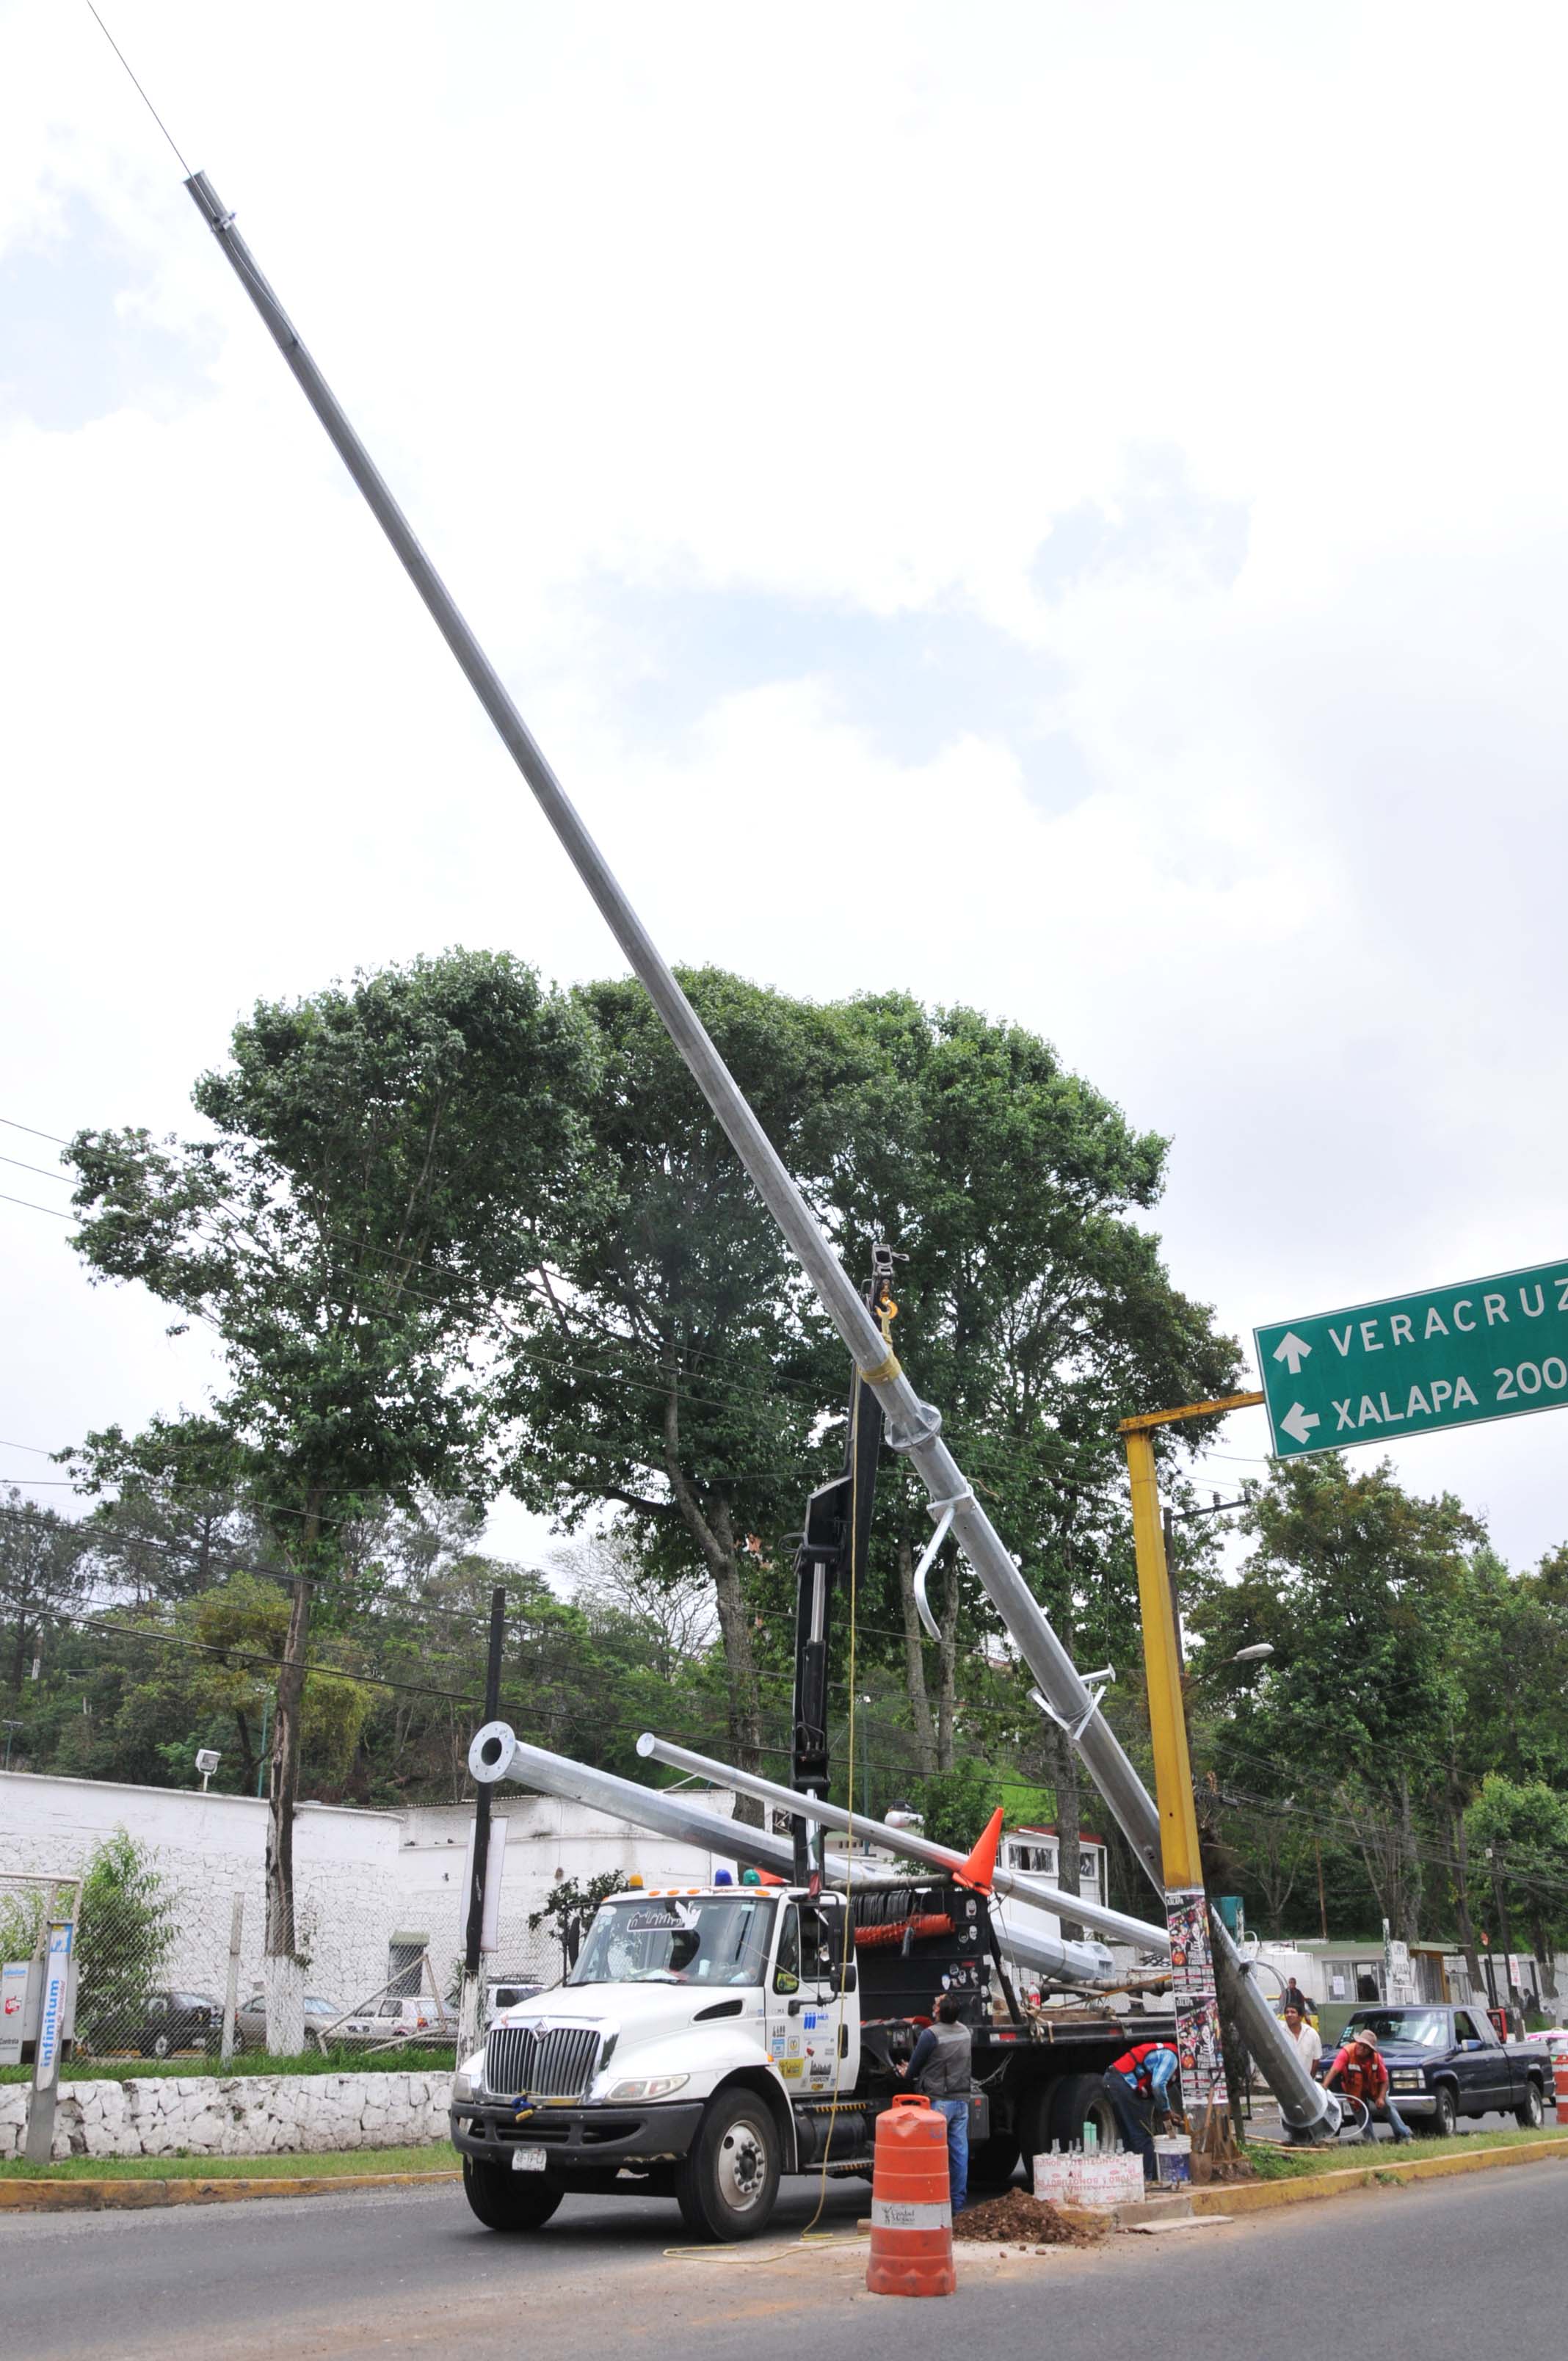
point(1173, 2160)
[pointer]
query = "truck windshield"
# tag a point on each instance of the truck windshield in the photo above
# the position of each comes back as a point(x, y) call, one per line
point(673, 1939)
point(1428, 2028)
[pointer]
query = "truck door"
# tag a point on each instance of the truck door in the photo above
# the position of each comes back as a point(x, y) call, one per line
point(814, 2052)
point(1483, 2069)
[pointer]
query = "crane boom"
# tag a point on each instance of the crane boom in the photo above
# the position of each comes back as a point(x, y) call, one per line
point(912, 1426)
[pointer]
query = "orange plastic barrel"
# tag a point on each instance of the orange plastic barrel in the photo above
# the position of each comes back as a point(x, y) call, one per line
point(911, 2212)
point(1560, 2080)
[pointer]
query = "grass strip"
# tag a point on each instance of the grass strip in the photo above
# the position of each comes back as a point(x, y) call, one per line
point(343, 2060)
point(1297, 2163)
point(435, 2156)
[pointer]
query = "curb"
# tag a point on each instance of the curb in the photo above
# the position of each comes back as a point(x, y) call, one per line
point(128, 2196)
point(1263, 2197)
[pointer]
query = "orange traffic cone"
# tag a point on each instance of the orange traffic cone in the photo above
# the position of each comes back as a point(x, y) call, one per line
point(911, 2213)
point(980, 1866)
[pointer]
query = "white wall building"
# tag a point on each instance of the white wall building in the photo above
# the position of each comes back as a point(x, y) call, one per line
point(372, 1888)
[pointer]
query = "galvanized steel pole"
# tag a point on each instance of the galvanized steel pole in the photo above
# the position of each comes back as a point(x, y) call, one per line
point(913, 1427)
point(1013, 1884)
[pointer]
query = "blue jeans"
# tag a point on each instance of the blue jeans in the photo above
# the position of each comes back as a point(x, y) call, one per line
point(956, 2113)
point(1388, 2113)
point(1131, 2111)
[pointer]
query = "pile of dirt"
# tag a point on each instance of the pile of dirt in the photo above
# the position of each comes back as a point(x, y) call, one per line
point(1019, 2220)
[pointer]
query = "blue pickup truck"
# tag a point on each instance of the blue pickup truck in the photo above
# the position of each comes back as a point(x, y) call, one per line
point(1446, 2062)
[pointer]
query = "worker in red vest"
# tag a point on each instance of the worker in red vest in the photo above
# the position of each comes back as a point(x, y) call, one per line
point(1136, 2084)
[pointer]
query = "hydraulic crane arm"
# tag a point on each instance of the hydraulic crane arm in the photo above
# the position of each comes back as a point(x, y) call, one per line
point(914, 1427)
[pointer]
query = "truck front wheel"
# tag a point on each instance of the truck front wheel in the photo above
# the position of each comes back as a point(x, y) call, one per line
point(1445, 2116)
point(509, 2200)
point(728, 2185)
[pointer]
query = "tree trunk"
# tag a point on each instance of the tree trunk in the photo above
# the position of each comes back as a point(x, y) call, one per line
point(948, 1664)
point(710, 1525)
point(246, 1752)
point(1505, 1925)
point(920, 1721)
point(743, 1709)
point(1410, 1882)
point(284, 1971)
point(1459, 1844)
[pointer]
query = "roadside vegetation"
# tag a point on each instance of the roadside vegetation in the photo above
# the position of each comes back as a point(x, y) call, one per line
point(439, 2157)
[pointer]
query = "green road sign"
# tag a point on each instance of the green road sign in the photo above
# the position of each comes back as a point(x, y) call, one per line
point(1449, 1356)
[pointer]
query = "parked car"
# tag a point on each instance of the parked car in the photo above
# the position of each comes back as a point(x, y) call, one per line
point(424, 2018)
point(180, 2020)
point(1447, 2062)
point(250, 2022)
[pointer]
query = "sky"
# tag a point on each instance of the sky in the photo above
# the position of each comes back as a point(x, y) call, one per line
point(1101, 466)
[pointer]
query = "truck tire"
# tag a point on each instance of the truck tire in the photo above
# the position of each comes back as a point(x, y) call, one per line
point(1083, 2099)
point(728, 2185)
point(504, 2199)
point(1444, 2118)
point(992, 2163)
point(1530, 2112)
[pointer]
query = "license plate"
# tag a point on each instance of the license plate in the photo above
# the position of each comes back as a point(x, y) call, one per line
point(527, 2160)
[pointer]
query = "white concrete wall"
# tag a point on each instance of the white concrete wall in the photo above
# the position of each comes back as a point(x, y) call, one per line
point(209, 1847)
point(239, 2115)
point(361, 1878)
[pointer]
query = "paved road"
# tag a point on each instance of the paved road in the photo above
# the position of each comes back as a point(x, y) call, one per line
point(1446, 2271)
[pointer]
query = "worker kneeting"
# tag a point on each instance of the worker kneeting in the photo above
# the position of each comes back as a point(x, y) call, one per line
point(1137, 2083)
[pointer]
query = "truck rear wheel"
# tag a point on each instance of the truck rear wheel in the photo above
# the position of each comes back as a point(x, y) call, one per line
point(1530, 2112)
point(992, 2163)
point(728, 2185)
point(1083, 2099)
point(509, 2200)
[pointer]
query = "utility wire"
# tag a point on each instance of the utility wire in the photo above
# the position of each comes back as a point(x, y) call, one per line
point(136, 86)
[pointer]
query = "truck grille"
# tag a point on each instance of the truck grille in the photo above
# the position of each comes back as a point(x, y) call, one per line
point(558, 2063)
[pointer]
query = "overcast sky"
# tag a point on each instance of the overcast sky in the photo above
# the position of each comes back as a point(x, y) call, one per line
point(1104, 463)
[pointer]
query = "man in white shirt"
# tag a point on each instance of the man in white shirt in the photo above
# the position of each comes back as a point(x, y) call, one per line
point(1309, 2047)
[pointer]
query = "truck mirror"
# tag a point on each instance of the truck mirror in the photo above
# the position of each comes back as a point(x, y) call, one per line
point(842, 1978)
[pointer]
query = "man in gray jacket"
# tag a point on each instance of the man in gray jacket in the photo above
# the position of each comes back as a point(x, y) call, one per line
point(942, 2065)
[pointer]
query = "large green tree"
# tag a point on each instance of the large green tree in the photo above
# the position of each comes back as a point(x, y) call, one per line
point(377, 1161)
point(1364, 1592)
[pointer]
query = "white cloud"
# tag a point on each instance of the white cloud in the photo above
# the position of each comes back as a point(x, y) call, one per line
point(847, 310)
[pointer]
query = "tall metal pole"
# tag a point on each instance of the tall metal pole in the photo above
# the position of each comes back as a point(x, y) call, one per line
point(914, 1427)
point(468, 2003)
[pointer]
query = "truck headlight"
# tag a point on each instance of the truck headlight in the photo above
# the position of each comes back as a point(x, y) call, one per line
point(651, 2086)
point(1408, 2081)
point(469, 2078)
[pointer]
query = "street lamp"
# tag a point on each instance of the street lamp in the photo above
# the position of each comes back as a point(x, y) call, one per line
point(1255, 1654)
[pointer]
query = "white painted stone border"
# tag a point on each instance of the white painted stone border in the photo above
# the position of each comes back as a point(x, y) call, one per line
point(235, 2114)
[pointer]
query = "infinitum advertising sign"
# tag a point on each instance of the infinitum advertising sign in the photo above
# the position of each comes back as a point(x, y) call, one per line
point(1449, 1356)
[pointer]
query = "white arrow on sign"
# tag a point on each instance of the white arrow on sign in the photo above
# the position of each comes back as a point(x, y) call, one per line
point(1298, 1422)
point(1293, 1350)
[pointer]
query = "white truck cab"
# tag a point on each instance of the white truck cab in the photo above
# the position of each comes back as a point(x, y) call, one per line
point(700, 2047)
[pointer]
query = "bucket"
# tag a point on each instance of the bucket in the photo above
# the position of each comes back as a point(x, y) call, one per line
point(1173, 2160)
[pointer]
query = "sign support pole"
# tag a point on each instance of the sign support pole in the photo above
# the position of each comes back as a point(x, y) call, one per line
point(1192, 1975)
point(57, 1937)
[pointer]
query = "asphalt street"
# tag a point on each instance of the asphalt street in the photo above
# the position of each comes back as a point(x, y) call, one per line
point(1448, 2271)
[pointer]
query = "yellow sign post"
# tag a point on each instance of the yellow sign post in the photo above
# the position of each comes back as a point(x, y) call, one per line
point(1186, 1904)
